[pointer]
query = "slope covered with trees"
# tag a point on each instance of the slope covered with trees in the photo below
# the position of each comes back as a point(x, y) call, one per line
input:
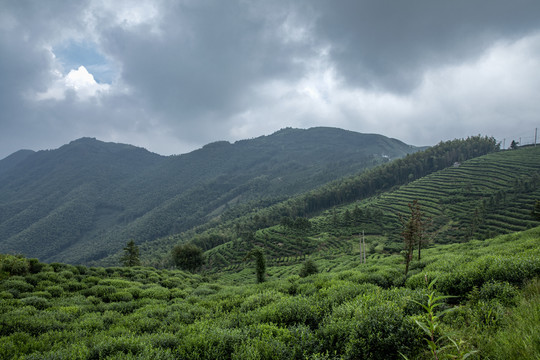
point(85, 200)
point(475, 199)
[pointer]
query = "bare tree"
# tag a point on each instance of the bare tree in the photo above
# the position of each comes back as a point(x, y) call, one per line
point(413, 232)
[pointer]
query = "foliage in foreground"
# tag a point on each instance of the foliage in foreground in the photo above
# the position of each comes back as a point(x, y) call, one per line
point(56, 311)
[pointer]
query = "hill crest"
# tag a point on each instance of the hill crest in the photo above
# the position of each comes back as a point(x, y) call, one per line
point(86, 199)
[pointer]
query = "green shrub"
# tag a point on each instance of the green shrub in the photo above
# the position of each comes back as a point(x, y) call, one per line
point(103, 347)
point(178, 293)
point(308, 268)
point(134, 291)
point(520, 337)
point(6, 295)
point(111, 317)
point(57, 267)
point(16, 287)
point(515, 270)
point(32, 279)
point(117, 283)
point(55, 290)
point(141, 324)
point(44, 294)
point(420, 280)
point(503, 292)
point(291, 311)
point(173, 282)
point(81, 269)
point(210, 341)
point(73, 286)
point(165, 341)
point(50, 276)
point(203, 291)
point(91, 322)
point(185, 313)
point(372, 332)
point(16, 344)
point(102, 291)
point(120, 296)
point(66, 274)
point(266, 341)
point(261, 299)
point(122, 307)
point(156, 292)
point(14, 265)
point(92, 280)
point(28, 319)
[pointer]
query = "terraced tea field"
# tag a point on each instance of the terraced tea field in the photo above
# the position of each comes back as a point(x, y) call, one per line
point(477, 199)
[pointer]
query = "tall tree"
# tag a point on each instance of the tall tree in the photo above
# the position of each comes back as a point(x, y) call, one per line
point(188, 257)
point(131, 255)
point(260, 263)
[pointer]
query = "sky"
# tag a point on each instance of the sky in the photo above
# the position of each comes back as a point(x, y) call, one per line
point(174, 75)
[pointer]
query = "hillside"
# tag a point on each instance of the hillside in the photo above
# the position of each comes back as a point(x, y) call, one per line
point(85, 200)
point(364, 311)
point(478, 198)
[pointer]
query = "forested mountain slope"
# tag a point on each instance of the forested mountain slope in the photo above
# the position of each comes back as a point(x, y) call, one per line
point(85, 200)
point(474, 199)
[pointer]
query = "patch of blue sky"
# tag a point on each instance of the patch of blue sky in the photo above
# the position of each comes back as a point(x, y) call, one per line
point(71, 55)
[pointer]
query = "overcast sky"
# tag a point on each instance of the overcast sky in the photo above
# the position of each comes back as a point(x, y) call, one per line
point(174, 75)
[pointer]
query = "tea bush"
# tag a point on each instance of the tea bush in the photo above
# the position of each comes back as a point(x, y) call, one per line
point(502, 292)
point(353, 311)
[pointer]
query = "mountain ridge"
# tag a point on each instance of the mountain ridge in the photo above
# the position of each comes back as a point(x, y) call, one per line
point(87, 198)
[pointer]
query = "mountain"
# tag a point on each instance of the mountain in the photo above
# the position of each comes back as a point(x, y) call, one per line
point(12, 160)
point(85, 200)
point(477, 198)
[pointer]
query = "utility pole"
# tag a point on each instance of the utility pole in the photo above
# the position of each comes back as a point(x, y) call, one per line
point(535, 134)
point(364, 241)
point(361, 247)
point(504, 142)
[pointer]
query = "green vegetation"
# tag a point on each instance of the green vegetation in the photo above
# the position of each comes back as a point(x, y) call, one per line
point(478, 198)
point(260, 264)
point(413, 233)
point(317, 288)
point(308, 268)
point(81, 201)
point(366, 311)
point(188, 257)
point(536, 210)
point(131, 255)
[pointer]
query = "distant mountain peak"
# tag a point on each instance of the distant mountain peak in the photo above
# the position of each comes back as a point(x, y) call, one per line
point(84, 140)
point(14, 159)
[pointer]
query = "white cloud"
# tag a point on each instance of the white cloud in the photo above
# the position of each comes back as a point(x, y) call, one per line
point(79, 81)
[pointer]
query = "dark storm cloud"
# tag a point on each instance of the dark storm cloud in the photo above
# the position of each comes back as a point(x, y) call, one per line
point(204, 57)
point(389, 44)
point(183, 73)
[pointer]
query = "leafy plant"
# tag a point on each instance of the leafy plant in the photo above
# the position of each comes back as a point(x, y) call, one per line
point(434, 339)
point(131, 255)
point(260, 263)
point(188, 256)
point(308, 268)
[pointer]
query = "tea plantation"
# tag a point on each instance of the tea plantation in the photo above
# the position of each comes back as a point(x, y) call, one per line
point(346, 310)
